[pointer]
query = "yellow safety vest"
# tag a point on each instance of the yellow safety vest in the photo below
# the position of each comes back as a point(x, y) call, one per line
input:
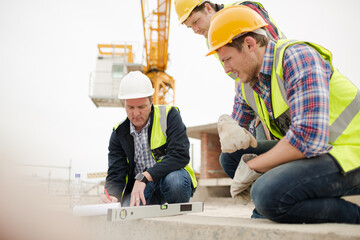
point(344, 108)
point(158, 136)
point(158, 139)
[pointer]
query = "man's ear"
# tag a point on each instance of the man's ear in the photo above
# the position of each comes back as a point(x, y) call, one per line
point(208, 8)
point(250, 43)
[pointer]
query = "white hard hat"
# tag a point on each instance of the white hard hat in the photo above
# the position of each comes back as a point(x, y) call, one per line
point(135, 85)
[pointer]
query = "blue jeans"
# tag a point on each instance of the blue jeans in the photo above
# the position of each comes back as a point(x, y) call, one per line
point(302, 191)
point(230, 161)
point(307, 191)
point(173, 188)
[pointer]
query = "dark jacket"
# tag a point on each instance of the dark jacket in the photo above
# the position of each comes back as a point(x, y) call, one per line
point(121, 147)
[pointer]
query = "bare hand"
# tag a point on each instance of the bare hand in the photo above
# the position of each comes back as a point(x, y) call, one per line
point(137, 194)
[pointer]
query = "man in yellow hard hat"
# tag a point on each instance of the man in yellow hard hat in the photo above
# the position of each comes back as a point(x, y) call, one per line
point(149, 151)
point(306, 103)
point(196, 14)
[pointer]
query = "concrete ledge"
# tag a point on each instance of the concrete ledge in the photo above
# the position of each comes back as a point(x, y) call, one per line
point(194, 226)
point(194, 132)
point(223, 218)
point(212, 182)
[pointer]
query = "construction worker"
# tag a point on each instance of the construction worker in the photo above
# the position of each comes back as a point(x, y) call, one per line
point(306, 103)
point(149, 151)
point(196, 14)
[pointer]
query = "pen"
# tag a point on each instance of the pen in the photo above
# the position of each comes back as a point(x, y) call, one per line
point(107, 194)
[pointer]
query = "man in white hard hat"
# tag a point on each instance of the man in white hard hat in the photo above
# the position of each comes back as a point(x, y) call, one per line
point(149, 151)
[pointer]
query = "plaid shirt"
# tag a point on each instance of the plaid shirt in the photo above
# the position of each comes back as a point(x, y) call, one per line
point(306, 78)
point(143, 158)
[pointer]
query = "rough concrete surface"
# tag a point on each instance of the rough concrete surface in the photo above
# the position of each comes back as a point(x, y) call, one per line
point(221, 219)
point(27, 215)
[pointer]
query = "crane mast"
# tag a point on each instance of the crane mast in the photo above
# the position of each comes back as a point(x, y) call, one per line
point(156, 21)
point(115, 60)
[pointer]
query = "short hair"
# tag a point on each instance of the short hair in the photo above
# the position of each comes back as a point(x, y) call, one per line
point(150, 98)
point(202, 6)
point(122, 101)
point(238, 42)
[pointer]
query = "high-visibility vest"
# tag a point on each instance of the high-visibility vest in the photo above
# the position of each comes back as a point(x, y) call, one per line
point(158, 139)
point(344, 107)
point(274, 30)
point(158, 136)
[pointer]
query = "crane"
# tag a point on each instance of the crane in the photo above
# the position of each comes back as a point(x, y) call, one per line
point(115, 60)
point(156, 21)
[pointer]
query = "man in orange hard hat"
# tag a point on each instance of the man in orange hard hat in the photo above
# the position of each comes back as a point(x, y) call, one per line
point(306, 103)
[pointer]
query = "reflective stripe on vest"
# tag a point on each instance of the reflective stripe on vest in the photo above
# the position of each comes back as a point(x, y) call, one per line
point(344, 107)
point(158, 136)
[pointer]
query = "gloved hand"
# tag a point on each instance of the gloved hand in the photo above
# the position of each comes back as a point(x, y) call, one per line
point(232, 136)
point(243, 179)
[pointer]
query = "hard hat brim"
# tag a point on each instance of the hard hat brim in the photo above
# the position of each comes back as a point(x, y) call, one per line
point(134, 96)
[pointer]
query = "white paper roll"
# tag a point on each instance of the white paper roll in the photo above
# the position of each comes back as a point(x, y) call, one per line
point(94, 209)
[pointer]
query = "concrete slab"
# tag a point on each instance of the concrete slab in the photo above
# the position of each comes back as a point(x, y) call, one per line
point(228, 220)
point(223, 218)
point(29, 214)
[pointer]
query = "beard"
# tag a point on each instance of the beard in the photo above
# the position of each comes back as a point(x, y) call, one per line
point(253, 80)
point(254, 75)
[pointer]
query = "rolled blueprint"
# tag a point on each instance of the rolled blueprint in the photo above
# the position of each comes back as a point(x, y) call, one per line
point(94, 209)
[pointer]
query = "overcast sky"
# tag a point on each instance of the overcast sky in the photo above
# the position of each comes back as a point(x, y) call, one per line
point(48, 49)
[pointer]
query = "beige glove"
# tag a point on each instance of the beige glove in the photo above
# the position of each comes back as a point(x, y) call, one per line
point(243, 179)
point(232, 136)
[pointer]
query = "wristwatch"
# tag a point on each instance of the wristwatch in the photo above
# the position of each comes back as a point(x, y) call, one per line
point(141, 177)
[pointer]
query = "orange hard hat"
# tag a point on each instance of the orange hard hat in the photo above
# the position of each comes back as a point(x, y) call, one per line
point(229, 23)
point(184, 8)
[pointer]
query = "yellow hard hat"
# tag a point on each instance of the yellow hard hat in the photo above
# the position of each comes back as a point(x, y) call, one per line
point(184, 8)
point(230, 22)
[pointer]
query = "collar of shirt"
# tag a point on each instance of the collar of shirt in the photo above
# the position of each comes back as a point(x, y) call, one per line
point(267, 64)
point(262, 86)
point(135, 132)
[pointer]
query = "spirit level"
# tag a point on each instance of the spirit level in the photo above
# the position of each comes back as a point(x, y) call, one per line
point(129, 213)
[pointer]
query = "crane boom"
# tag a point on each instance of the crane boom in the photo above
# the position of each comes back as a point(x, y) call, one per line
point(156, 20)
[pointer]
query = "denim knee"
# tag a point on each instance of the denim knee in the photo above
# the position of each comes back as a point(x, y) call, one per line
point(229, 162)
point(223, 160)
point(176, 186)
point(266, 197)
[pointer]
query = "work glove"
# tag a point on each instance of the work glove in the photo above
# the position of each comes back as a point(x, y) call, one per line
point(243, 179)
point(232, 136)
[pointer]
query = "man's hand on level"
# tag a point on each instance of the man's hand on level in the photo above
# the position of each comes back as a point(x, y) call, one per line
point(137, 194)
